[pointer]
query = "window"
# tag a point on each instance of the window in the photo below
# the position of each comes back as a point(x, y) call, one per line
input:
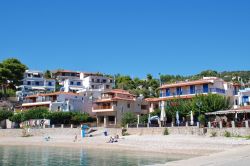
point(178, 91)
point(236, 102)
point(111, 81)
point(92, 86)
point(128, 105)
point(29, 75)
point(104, 81)
point(28, 83)
point(98, 80)
point(167, 92)
point(205, 88)
point(37, 83)
point(92, 80)
point(192, 89)
point(78, 83)
point(71, 83)
point(107, 86)
point(50, 83)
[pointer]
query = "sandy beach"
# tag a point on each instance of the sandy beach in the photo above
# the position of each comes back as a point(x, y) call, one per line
point(194, 150)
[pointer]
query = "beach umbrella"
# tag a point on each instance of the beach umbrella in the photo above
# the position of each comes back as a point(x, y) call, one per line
point(177, 118)
point(149, 119)
point(191, 118)
point(163, 115)
point(236, 115)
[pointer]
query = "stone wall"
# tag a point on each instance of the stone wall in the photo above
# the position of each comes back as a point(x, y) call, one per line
point(54, 132)
point(131, 131)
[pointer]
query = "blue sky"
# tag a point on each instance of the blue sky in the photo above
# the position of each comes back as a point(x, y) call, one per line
point(132, 37)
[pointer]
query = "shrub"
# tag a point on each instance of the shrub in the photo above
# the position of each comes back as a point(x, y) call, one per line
point(213, 134)
point(78, 118)
point(128, 118)
point(124, 132)
point(36, 113)
point(4, 114)
point(166, 132)
point(227, 134)
point(144, 118)
point(17, 118)
point(202, 119)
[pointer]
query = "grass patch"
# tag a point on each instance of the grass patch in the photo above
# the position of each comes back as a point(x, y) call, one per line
point(213, 134)
point(247, 137)
point(166, 132)
point(124, 132)
point(227, 134)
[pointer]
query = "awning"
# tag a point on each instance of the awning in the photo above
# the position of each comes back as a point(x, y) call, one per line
point(75, 88)
point(37, 88)
point(224, 112)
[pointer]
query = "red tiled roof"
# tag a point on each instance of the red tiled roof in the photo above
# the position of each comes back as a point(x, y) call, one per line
point(52, 94)
point(243, 108)
point(119, 91)
point(113, 99)
point(168, 98)
point(188, 83)
point(153, 99)
point(65, 71)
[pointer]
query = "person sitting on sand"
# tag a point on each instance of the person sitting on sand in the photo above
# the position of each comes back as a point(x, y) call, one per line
point(117, 136)
point(111, 140)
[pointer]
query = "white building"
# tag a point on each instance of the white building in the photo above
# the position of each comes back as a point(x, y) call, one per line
point(59, 101)
point(242, 98)
point(33, 83)
point(62, 75)
point(89, 84)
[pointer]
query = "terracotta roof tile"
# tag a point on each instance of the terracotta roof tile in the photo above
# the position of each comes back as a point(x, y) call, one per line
point(179, 84)
point(52, 94)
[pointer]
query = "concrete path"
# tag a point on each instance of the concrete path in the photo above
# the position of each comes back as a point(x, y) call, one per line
point(239, 156)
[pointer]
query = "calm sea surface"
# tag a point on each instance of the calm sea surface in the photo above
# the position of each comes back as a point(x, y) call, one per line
point(54, 156)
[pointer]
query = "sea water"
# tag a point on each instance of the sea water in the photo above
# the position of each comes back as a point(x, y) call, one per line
point(55, 156)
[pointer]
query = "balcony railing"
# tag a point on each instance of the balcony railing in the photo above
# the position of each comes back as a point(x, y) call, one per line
point(194, 92)
point(102, 107)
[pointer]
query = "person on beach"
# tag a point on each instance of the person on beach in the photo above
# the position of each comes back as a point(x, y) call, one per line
point(75, 139)
point(111, 140)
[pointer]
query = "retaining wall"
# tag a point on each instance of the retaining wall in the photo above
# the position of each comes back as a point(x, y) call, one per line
point(131, 131)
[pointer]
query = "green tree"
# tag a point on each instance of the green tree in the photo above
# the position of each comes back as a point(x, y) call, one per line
point(209, 73)
point(17, 118)
point(79, 118)
point(36, 113)
point(47, 74)
point(128, 118)
point(11, 73)
point(200, 105)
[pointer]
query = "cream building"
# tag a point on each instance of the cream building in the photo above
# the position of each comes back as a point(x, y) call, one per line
point(113, 104)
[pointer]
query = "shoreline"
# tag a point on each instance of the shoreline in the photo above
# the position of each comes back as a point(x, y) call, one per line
point(185, 149)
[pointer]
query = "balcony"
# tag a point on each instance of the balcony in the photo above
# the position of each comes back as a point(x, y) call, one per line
point(103, 108)
point(194, 92)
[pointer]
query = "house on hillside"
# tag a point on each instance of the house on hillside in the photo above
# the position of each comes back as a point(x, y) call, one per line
point(33, 83)
point(89, 84)
point(58, 101)
point(242, 98)
point(62, 75)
